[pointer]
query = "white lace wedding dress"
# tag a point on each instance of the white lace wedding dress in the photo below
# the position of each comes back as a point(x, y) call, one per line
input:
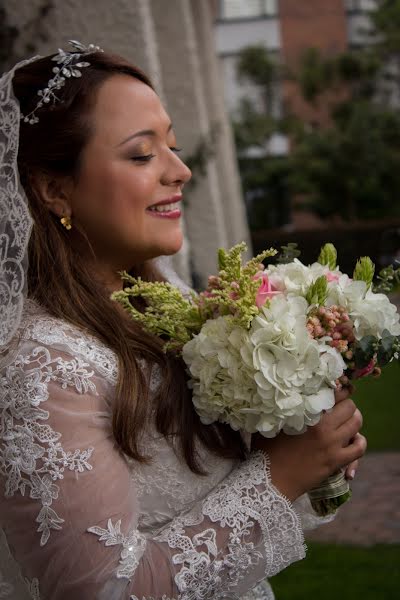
point(79, 520)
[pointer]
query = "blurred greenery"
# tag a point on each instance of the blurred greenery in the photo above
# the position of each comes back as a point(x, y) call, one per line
point(349, 164)
point(342, 573)
point(379, 401)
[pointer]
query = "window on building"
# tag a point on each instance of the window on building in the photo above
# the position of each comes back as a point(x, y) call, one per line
point(248, 9)
point(361, 5)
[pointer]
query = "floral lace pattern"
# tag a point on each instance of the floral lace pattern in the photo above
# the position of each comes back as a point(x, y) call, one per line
point(33, 588)
point(177, 492)
point(32, 456)
point(15, 220)
point(52, 332)
point(238, 503)
point(133, 545)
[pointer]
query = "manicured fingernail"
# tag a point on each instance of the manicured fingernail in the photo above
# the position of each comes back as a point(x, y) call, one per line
point(352, 474)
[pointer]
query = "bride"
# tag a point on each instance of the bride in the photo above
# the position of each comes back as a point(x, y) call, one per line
point(110, 487)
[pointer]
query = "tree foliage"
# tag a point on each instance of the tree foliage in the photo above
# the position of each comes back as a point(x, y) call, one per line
point(352, 166)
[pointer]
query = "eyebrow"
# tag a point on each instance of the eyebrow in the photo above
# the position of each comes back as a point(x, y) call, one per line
point(143, 132)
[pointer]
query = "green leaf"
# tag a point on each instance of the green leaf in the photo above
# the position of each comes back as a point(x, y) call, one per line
point(289, 253)
point(364, 270)
point(221, 258)
point(318, 291)
point(328, 256)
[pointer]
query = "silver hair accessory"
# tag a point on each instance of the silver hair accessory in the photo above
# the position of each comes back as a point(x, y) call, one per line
point(68, 65)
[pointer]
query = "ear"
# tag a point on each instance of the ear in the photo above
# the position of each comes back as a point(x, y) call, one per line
point(55, 193)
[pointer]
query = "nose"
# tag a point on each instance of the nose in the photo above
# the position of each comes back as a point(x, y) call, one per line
point(177, 172)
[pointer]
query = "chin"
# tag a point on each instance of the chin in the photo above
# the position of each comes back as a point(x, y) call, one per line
point(170, 246)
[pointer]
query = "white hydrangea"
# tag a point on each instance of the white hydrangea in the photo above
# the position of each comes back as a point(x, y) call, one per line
point(295, 278)
point(272, 377)
point(370, 313)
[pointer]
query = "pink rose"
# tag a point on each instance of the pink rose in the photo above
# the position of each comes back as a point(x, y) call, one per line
point(266, 289)
point(332, 276)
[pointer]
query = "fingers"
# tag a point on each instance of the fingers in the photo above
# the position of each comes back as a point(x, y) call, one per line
point(351, 470)
point(355, 450)
point(350, 428)
point(342, 394)
point(340, 413)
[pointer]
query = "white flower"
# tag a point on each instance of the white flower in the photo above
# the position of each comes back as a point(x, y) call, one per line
point(295, 278)
point(372, 314)
point(272, 377)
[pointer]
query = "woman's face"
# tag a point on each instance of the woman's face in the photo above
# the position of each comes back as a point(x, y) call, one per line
point(128, 192)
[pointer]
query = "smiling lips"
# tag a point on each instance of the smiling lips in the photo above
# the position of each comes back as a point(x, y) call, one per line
point(167, 209)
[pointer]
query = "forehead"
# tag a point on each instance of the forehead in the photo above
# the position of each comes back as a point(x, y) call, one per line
point(125, 105)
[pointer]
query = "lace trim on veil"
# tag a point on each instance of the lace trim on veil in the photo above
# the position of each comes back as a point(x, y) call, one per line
point(15, 220)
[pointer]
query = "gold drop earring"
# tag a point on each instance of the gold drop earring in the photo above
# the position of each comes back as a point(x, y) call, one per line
point(66, 222)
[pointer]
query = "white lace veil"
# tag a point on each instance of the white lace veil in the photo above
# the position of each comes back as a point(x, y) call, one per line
point(15, 220)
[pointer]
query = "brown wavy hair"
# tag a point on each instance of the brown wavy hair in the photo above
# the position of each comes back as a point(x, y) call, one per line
point(60, 281)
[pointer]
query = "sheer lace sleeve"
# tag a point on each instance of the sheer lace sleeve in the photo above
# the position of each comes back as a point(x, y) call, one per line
point(69, 508)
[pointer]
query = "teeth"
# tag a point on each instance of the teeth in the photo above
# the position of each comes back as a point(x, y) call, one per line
point(164, 207)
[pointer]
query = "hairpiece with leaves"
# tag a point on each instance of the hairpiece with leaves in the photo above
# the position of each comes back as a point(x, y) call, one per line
point(68, 65)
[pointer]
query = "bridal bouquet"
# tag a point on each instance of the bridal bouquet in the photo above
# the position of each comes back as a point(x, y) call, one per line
point(266, 347)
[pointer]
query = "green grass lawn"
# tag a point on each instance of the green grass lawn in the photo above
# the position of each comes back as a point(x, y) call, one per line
point(342, 573)
point(379, 401)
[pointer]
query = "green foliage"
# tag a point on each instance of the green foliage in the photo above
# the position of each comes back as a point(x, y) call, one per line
point(334, 572)
point(328, 256)
point(288, 253)
point(175, 318)
point(386, 22)
point(255, 64)
point(363, 149)
point(380, 426)
point(318, 291)
point(364, 270)
point(352, 167)
point(315, 74)
point(388, 278)
point(167, 314)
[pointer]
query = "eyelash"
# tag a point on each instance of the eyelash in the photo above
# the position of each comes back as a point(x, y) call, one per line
point(147, 157)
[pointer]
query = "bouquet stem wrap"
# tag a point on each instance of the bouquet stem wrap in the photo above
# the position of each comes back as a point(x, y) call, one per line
point(330, 494)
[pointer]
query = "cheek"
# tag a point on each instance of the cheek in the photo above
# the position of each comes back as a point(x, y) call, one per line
point(113, 194)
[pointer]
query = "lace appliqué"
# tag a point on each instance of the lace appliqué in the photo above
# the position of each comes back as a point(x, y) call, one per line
point(33, 588)
point(50, 331)
point(177, 492)
point(163, 597)
point(31, 456)
point(15, 220)
point(239, 502)
point(262, 591)
point(133, 546)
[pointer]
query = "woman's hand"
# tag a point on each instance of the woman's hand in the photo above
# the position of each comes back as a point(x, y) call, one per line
point(300, 462)
point(351, 469)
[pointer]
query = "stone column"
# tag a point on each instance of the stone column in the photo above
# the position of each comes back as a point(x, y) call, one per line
point(225, 155)
point(184, 88)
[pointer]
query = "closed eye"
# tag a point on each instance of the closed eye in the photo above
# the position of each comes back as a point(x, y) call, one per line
point(143, 157)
